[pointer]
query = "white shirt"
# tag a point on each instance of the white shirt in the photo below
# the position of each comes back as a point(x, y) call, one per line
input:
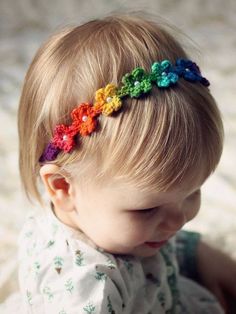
point(61, 271)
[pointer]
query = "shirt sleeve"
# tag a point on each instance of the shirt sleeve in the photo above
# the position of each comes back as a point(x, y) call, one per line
point(186, 252)
point(58, 276)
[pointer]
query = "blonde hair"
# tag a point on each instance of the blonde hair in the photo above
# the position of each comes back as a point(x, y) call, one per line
point(154, 142)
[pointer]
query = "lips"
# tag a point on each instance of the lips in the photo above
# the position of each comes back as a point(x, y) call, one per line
point(156, 245)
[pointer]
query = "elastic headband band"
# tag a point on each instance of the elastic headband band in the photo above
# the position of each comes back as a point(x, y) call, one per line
point(109, 99)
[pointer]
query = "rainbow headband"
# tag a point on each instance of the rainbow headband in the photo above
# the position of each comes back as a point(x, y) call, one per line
point(109, 99)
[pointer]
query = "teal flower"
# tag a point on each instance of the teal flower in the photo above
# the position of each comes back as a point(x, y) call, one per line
point(163, 75)
point(136, 83)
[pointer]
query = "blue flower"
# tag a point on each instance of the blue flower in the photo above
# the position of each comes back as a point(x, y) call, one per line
point(190, 71)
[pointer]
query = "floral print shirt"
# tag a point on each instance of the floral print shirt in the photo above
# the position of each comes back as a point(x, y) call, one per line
point(63, 272)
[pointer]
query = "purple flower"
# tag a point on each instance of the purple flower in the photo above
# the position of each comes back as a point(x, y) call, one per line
point(50, 153)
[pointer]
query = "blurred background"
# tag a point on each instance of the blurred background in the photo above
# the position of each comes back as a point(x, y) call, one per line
point(24, 24)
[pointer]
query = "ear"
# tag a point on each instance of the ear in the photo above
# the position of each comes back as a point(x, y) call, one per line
point(58, 187)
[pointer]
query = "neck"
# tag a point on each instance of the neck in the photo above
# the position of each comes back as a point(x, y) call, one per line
point(64, 217)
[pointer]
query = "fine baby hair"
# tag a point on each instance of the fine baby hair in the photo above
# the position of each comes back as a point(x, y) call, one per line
point(156, 136)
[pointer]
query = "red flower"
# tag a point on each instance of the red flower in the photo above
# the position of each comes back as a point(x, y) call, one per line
point(83, 118)
point(64, 137)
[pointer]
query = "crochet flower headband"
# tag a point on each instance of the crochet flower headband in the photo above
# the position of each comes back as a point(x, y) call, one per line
point(109, 99)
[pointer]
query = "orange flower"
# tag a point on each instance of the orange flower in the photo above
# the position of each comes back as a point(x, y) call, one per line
point(83, 118)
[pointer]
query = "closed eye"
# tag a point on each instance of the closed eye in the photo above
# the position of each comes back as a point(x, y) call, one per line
point(195, 194)
point(147, 210)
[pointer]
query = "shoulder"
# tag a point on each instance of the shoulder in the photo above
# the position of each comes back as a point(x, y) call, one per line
point(57, 268)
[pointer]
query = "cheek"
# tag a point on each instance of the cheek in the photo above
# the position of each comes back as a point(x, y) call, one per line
point(134, 228)
point(193, 209)
point(124, 230)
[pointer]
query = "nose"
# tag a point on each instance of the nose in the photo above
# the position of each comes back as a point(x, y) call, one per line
point(173, 219)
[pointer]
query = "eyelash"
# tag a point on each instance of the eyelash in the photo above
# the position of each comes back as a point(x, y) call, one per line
point(195, 194)
point(151, 210)
point(148, 210)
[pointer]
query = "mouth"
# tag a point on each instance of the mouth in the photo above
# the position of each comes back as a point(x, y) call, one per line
point(156, 245)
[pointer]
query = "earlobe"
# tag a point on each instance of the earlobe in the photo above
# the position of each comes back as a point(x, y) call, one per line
point(58, 187)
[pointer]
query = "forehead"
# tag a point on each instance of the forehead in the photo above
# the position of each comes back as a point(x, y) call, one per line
point(127, 195)
point(123, 192)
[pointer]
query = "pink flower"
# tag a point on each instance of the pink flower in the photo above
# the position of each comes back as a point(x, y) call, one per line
point(64, 137)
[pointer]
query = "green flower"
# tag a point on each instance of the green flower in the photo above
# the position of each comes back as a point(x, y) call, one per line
point(79, 258)
point(136, 83)
point(50, 243)
point(100, 276)
point(89, 308)
point(58, 263)
point(69, 285)
point(163, 75)
point(48, 292)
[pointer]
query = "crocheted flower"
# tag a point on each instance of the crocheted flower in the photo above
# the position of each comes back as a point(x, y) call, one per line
point(162, 74)
point(83, 118)
point(135, 83)
point(106, 100)
point(64, 137)
point(190, 71)
point(50, 153)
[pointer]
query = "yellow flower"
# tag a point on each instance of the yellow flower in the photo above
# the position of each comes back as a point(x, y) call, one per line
point(106, 100)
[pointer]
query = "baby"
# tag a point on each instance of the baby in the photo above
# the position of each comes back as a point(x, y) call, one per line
point(120, 126)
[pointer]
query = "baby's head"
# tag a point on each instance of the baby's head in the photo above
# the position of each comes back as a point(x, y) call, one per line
point(155, 151)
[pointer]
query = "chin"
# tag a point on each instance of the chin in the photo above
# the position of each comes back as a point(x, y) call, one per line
point(139, 251)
